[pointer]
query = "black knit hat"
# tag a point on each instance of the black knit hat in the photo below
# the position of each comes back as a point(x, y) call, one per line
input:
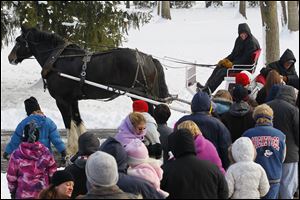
point(31, 105)
point(240, 93)
point(60, 177)
point(161, 113)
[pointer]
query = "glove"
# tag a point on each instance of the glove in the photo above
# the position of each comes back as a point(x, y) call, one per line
point(221, 62)
point(228, 64)
point(6, 156)
point(155, 150)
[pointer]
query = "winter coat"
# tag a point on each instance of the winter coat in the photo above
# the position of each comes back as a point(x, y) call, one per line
point(126, 132)
point(164, 132)
point(212, 129)
point(286, 119)
point(222, 105)
point(270, 147)
point(152, 135)
point(29, 170)
point(261, 96)
point(47, 129)
point(152, 141)
point(205, 150)
point(238, 119)
point(291, 73)
point(243, 49)
point(77, 169)
point(113, 192)
point(245, 178)
point(188, 177)
point(151, 172)
point(130, 184)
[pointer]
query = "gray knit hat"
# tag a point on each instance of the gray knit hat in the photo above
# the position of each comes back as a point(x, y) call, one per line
point(101, 169)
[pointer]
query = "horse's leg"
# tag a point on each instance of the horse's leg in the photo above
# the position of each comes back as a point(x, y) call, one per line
point(72, 136)
point(76, 116)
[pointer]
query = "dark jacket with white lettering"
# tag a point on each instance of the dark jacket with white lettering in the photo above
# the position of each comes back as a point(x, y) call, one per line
point(270, 146)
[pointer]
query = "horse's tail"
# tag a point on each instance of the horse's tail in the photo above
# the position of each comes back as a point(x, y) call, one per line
point(163, 88)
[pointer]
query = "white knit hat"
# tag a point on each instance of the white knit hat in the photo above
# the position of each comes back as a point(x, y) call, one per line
point(101, 169)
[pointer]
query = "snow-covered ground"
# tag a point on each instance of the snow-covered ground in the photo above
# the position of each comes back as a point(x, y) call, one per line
point(197, 34)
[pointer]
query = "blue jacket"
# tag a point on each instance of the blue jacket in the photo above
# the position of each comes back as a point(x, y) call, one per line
point(212, 129)
point(48, 133)
point(270, 146)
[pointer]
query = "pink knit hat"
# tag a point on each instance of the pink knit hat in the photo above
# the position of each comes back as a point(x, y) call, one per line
point(137, 152)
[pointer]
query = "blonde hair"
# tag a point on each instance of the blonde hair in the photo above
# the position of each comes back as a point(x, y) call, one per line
point(191, 126)
point(223, 94)
point(136, 118)
point(264, 110)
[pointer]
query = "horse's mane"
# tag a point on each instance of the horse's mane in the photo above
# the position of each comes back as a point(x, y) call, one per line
point(39, 36)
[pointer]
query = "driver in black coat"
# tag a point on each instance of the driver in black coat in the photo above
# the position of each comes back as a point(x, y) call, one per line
point(245, 45)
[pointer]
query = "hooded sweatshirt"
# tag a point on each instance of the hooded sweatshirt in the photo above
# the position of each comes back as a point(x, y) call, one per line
point(243, 49)
point(126, 132)
point(291, 74)
point(245, 178)
point(29, 170)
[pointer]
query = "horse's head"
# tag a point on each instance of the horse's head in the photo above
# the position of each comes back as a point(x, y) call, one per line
point(21, 49)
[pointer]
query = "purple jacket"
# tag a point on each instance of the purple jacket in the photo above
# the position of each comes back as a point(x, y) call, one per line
point(205, 150)
point(126, 132)
point(29, 169)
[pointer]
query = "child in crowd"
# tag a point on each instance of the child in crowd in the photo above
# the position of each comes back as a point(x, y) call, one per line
point(245, 178)
point(142, 166)
point(30, 166)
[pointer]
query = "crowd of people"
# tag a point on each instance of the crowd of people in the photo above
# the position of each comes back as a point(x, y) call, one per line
point(235, 144)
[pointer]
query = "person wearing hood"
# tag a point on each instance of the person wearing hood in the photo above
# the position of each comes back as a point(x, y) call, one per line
point(130, 184)
point(270, 147)
point(212, 129)
point(152, 140)
point(88, 143)
point(47, 129)
point(245, 178)
point(187, 177)
point(132, 127)
point(30, 166)
point(245, 45)
point(239, 117)
point(286, 119)
point(285, 66)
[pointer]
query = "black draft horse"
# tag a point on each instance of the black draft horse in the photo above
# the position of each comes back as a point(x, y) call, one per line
point(121, 67)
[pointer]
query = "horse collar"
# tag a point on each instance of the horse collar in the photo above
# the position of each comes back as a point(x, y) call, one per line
point(48, 66)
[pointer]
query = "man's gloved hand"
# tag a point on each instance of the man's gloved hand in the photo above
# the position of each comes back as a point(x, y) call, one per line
point(227, 63)
point(6, 156)
point(221, 62)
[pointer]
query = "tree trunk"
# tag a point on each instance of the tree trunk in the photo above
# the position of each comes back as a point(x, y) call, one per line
point(158, 7)
point(269, 13)
point(293, 17)
point(165, 10)
point(243, 8)
point(127, 4)
point(283, 16)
